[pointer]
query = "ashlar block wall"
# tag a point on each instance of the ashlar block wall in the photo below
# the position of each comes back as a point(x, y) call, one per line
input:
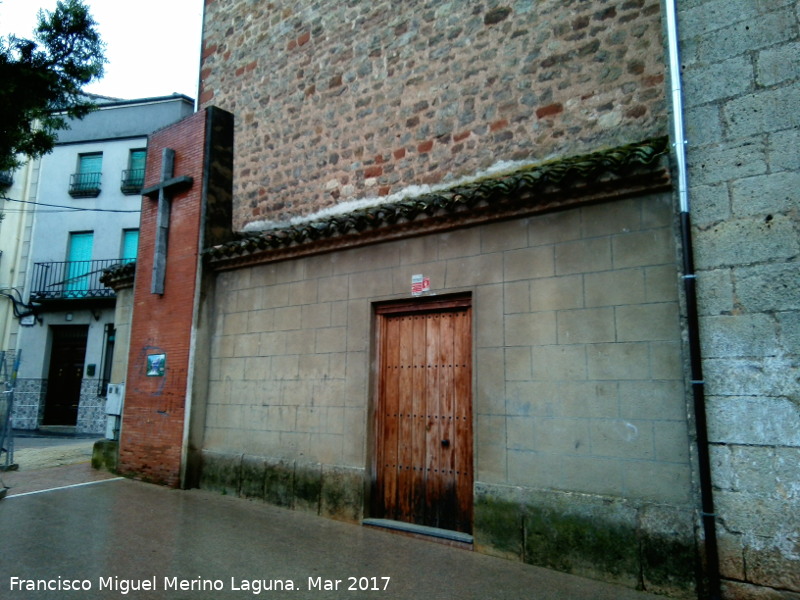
point(742, 79)
point(579, 408)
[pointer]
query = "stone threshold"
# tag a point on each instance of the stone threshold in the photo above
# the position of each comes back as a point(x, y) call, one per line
point(434, 534)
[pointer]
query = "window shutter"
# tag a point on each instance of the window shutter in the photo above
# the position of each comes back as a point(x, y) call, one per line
point(79, 264)
point(130, 244)
point(80, 246)
point(91, 163)
point(138, 158)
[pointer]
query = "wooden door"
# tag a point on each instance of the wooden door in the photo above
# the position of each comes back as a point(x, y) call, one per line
point(65, 375)
point(423, 415)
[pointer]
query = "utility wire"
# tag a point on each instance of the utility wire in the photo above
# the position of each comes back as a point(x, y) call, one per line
point(70, 208)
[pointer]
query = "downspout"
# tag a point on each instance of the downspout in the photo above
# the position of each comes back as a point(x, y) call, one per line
point(707, 512)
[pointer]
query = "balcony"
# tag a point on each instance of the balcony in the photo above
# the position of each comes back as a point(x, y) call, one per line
point(132, 181)
point(84, 185)
point(71, 280)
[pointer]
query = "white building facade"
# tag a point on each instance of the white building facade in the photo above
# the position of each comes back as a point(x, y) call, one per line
point(86, 219)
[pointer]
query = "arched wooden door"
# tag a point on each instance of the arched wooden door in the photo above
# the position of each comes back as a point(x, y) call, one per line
point(423, 415)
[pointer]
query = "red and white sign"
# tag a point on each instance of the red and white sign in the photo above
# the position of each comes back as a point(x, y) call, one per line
point(420, 284)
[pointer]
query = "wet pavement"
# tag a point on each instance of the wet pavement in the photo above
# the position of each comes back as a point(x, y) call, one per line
point(118, 538)
point(45, 460)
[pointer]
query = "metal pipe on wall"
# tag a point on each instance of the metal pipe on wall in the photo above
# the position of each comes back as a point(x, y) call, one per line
point(707, 512)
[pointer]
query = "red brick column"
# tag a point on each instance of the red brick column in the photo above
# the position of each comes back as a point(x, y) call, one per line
point(152, 441)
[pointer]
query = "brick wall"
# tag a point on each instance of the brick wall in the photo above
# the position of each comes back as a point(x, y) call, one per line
point(363, 99)
point(741, 77)
point(151, 440)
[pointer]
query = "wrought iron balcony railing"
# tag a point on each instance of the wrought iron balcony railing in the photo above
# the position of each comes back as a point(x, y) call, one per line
point(71, 280)
point(84, 185)
point(132, 181)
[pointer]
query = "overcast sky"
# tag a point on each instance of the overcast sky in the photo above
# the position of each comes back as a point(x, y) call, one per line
point(152, 46)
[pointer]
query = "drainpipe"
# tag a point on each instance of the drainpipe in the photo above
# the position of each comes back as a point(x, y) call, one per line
point(707, 513)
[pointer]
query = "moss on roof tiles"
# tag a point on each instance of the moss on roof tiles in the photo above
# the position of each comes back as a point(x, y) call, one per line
point(561, 173)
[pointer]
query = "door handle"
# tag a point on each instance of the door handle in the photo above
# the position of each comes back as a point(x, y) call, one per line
point(445, 443)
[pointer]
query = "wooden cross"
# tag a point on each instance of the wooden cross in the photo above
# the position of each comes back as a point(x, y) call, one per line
point(163, 191)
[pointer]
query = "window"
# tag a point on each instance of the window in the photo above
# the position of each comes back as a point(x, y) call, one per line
point(86, 182)
point(79, 264)
point(133, 176)
point(130, 245)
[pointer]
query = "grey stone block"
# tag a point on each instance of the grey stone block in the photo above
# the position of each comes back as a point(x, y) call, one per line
point(719, 80)
point(618, 361)
point(530, 329)
point(342, 494)
point(783, 154)
point(557, 293)
point(745, 157)
point(647, 322)
point(710, 204)
point(789, 332)
point(768, 376)
point(766, 194)
point(645, 248)
point(220, 472)
point(586, 326)
point(583, 256)
point(529, 263)
point(763, 112)
point(770, 287)
point(739, 335)
point(776, 65)
point(611, 218)
point(751, 420)
point(759, 29)
point(252, 471)
point(747, 241)
point(610, 288)
point(704, 125)
point(715, 292)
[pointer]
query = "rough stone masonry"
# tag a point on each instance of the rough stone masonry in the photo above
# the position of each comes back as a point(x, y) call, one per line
point(360, 99)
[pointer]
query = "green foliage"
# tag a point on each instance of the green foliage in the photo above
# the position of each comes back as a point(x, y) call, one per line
point(42, 80)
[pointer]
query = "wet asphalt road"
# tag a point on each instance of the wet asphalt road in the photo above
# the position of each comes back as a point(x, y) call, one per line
point(112, 536)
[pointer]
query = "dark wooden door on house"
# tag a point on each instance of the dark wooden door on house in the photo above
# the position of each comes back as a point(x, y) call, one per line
point(65, 375)
point(423, 415)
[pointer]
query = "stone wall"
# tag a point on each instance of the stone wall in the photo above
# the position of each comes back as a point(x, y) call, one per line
point(363, 99)
point(371, 99)
point(123, 312)
point(581, 439)
point(741, 78)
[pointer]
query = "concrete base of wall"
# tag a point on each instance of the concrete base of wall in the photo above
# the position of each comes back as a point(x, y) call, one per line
point(643, 546)
point(105, 454)
point(329, 491)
